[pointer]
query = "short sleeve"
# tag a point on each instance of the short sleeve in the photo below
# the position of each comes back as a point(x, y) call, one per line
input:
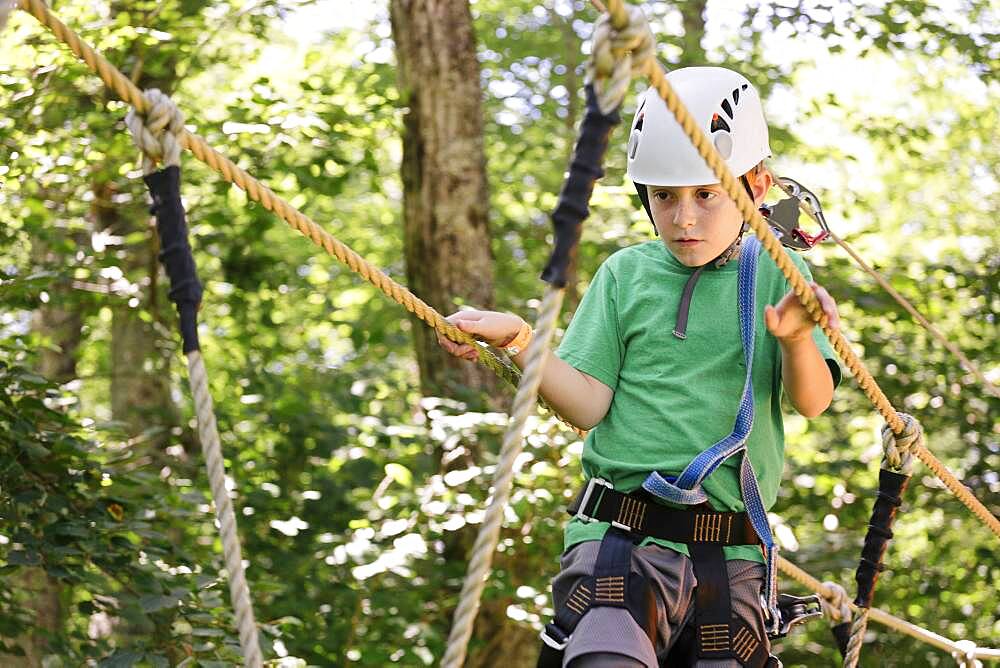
point(819, 337)
point(592, 343)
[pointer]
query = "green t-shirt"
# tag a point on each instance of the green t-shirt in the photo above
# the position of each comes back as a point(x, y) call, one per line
point(674, 398)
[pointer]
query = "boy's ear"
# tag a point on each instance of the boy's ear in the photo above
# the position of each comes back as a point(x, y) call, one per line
point(760, 182)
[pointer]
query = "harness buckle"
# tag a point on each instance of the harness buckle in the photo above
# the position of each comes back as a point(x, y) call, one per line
point(580, 513)
point(556, 644)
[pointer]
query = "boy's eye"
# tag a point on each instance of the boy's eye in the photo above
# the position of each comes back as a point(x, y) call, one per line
point(662, 195)
point(705, 194)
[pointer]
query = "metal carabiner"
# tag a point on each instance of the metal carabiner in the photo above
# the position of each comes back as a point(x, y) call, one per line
point(783, 217)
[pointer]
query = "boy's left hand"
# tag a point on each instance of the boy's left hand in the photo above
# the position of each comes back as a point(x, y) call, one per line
point(790, 322)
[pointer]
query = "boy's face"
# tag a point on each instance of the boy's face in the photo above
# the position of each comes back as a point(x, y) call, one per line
point(697, 223)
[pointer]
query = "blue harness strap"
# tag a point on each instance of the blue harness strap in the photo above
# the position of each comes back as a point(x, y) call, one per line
point(686, 489)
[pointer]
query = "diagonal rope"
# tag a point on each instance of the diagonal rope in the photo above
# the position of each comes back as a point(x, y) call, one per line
point(924, 322)
point(257, 191)
point(486, 540)
point(796, 280)
point(208, 434)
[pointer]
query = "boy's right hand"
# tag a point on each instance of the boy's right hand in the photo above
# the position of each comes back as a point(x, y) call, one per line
point(496, 329)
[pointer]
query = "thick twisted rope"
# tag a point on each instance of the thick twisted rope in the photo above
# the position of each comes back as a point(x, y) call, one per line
point(486, 540)
point(156, 134)
point(858, 629)
point(899, 448)
point(829, 592)
point(156, 131)
point(621, 47)
point(257, 191)
point(837, 606)
point(208, 434)
point(899, 459)
point(803, 291)
point(965, 655)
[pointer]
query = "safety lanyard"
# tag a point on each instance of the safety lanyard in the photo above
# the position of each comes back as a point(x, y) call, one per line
point(686, 489)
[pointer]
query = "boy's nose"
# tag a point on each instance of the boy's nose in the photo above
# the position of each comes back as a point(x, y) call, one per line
point(684, 216)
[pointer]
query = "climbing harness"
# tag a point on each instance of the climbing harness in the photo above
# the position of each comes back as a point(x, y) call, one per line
point(717, 634)
point(636, 516)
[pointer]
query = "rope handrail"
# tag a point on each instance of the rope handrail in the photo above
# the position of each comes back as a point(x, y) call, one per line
point(805, 579)
point(128, 92)
point(803, 291)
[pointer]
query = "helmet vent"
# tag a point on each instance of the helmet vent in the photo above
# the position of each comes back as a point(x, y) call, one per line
point(736, 96)
point(633, 144)
point(726, 107)
point(719, 123)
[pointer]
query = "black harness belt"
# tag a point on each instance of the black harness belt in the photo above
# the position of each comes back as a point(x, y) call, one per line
point(635, 513)
point(716, 633)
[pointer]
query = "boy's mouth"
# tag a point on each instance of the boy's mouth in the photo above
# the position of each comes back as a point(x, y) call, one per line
point(686, 241)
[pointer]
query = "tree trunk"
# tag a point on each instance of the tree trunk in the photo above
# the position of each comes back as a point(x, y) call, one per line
point(446, 231)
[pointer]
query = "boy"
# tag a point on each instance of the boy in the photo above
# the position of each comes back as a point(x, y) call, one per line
point(656, 370)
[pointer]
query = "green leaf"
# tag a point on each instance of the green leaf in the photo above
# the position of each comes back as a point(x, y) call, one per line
point(22, 558)
point(121, 659)
point(154, 602)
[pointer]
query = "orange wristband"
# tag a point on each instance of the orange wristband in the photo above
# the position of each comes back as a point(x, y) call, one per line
point(520, 340)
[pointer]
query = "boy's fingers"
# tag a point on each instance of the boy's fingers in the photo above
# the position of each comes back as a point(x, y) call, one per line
point(771, 318)
point(829, 306)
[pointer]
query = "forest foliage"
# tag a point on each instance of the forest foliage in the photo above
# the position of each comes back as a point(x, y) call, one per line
point(348, 483)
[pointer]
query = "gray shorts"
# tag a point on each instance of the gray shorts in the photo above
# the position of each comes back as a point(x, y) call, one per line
point(671, 575)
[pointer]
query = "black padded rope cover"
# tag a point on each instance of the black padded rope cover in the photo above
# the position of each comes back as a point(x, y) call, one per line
point(175, 251)
point(891, 486)
point(841, 635)
point(584, 170)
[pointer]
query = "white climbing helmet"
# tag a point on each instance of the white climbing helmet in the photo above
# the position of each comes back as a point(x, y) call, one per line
point(726, 107)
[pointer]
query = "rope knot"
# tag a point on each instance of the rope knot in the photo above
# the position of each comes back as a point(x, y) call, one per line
point(899, 447)
point(836, 606)
point(618, 55)
point(965, 655)
point(157, 131)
